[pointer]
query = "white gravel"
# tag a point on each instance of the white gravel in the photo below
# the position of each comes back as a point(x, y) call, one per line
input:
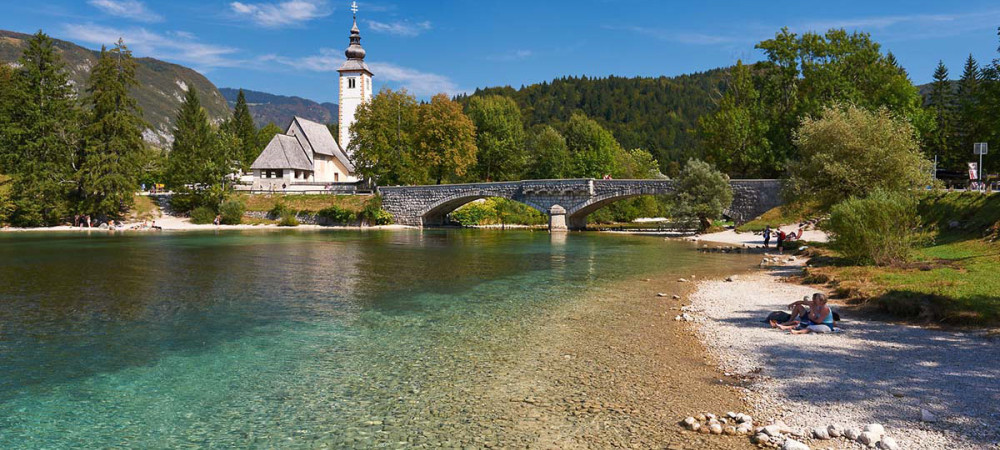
point(873, 373)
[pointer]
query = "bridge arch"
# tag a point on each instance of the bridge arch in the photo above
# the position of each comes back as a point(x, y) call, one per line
point(437, 213)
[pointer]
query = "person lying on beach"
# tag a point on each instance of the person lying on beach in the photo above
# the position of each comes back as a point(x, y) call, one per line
point(808, 316)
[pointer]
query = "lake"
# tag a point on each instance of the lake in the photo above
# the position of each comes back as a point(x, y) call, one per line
point(310, 338)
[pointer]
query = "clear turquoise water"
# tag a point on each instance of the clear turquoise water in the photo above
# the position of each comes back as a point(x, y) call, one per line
point(287, 339)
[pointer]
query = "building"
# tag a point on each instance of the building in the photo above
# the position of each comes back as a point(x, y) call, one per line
point(307, 157)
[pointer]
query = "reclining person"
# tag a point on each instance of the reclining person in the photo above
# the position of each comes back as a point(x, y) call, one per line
point(808, 316)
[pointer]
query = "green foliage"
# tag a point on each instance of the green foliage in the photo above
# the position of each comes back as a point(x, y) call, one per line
point(637, 164)
point(232, 211)
point(264, 136)
point(373, 214)
point(593, 150)
point(279, 210)
point(848, 152)
point(114, 148)
point(941, 104)
point(41, 136)
point(703, 193)
point(201, 158)
point(203, 215)
point(734, 137)
point(288, 219)
point(499, 138)
point(497, 211)
point(382, 139)
point(628, 210)
point(446, 139)
point(337, 215)
point(243, 129)
point(881, 229)
point(548, 155)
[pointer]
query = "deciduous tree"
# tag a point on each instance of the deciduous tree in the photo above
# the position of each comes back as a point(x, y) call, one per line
point(549, 158)
point(703, 193)
point(499, 138)
point(734, 137)
point(382, 139)
point(446, 138)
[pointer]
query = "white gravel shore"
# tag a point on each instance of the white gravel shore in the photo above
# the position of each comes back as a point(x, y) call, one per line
point(875, 372)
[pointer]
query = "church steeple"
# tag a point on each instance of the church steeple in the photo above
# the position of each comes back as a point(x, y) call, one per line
point(354, 51)
point(355, 84)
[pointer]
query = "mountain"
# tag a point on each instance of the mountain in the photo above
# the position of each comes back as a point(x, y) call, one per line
point(160, 91)
point(267, 108)
point(656, 114)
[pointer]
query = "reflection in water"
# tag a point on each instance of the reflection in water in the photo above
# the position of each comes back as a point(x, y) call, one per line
point(267, 338)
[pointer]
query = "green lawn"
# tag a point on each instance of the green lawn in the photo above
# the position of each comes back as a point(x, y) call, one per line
point(303, 202)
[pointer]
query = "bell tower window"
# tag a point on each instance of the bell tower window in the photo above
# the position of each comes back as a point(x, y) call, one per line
point(351, 82)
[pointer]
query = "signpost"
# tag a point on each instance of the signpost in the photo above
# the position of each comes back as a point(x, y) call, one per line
point(980, 148)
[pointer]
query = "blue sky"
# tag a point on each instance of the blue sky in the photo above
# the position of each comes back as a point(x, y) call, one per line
point(293, 47)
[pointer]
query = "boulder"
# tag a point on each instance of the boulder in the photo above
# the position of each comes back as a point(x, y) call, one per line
point(927, 416)
point(689, 421)
point(772, 430)
point(851, 433)
point(835, 431)
point(792, 444)
point(715, 428)
point(869, 438)
point(875, 428)
point(761, 438)
point(694, 426)
point(821, 433)
point(888, 443)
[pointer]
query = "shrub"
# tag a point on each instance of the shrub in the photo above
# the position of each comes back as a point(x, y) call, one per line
point(494, 211)
point(202, 215)
point(279, 210)
point(184, 202)
point(288, 220)
point(703, 193)
point(337, 215)
point(232, 211)
point(881, 229)
point(373, 214)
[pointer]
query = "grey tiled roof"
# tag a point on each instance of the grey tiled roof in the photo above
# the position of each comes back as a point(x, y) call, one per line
point(283, 152)
point(354, 64)
point(322, 141)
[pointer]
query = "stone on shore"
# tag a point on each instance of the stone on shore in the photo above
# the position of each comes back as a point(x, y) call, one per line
point(761, 438)
point(792, 444)
point(821, 433)
point(835, 430)
point(772, 430)
point(852, 434)
point(869, 438)
point(715, 428)
point(875, 428)
point(888, 443)
point(927, 416)
point(729, 431)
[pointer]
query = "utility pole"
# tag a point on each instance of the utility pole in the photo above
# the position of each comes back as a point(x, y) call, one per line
point(980, 148)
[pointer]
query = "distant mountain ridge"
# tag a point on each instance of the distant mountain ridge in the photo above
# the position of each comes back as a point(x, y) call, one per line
point(161, 84)
point(279, 109)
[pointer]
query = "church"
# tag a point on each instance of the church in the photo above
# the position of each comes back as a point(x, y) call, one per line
point(307, 157)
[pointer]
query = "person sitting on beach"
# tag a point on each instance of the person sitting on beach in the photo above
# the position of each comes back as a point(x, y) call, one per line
point(218, 220)
point(808, 316)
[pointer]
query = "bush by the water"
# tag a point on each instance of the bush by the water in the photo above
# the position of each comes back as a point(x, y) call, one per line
point(373, 214)
point(703, 193)
point(288, 220)
point(232, 211)
point(279, 210)
point(202, 215)
point(881, 229)
point(495, 211)
point(337, 215)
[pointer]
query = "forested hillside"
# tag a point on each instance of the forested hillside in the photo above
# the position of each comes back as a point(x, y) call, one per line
point(159, 93)
point(279, 109)
point(659, 115)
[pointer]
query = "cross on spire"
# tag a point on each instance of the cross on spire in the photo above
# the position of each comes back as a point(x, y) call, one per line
point(354, 9)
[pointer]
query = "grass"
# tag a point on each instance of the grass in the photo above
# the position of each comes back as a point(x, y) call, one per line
point(955, 280)
point(782, 215)
point(304, 203)
point(144, 208)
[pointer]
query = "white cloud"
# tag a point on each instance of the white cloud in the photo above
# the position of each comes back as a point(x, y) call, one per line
point(280, 14)
point(130, 9)
point(421, 84)
point(179, 46)
point(513, 55)
point(405, 29)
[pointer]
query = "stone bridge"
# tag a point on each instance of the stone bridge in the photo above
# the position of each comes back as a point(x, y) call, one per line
point(566, 202)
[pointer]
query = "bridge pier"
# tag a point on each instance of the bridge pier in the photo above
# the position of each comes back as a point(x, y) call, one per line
point(557, 219)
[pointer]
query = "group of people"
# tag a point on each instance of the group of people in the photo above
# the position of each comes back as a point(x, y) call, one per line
point(781, 237)
point(808, 316)
point(83, 221)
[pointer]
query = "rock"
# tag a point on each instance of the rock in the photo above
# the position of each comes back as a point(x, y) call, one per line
point(715, 428)
point(682, 280)
point(761, 438)
point(875, 428)
point(731, 415)
point(704, 430)
point(744, 418)
point(661, 294)
point(701, 417)
point(821, 433)
point(772, 430)
point(729, 431)
point(710, 416)
point(743, 430)
point(676, 297)
point(869, 438)
point(688, 422)
point(851, 433)
point(835, 431)
point(792, 444)
point(888, 443)
point(927, 416)
point(694, 426)
point(729, 279)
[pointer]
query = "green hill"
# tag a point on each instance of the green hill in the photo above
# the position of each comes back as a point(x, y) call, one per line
point(161, 90)
point(657, 114)
point(279, 109)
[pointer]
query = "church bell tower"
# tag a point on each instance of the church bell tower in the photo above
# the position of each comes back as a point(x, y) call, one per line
point(355, 84)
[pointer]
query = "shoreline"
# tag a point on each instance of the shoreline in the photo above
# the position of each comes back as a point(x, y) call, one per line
point(874, 372)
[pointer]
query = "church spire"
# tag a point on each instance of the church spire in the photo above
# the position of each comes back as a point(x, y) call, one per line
point(354, 51)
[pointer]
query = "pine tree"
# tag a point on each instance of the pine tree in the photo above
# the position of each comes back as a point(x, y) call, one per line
point(109, 172)
point(196, 162)
point(43, 136)
point(242, 126)
point(968, 128)
point(941, 103)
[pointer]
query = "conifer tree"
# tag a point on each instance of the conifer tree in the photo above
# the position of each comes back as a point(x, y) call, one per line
point(196, 162)
point(941, 102)
point(242, 127)
point(42, 136)
point(968, 127)
point(113, 150)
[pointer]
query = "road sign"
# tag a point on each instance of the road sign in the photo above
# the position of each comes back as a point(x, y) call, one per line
point(980, 148)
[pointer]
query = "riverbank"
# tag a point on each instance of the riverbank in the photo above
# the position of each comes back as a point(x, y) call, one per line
point(752, 239)
point(875, 372)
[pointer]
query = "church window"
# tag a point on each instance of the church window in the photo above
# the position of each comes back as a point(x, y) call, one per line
point(336, 178)
point(351, 83)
